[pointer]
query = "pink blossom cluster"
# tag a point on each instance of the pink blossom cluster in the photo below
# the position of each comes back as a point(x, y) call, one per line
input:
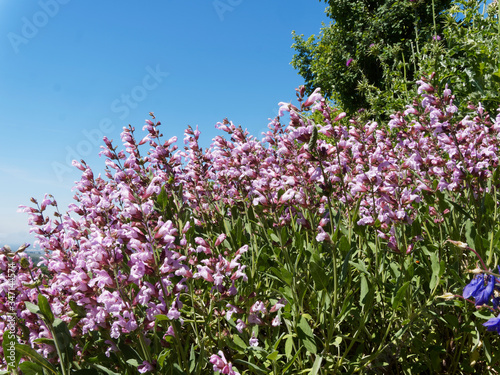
point(129, 248)
point(384, 168)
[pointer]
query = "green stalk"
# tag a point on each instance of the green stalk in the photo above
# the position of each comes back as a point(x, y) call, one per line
point(498, 21)
point(490, 253)
point(434, 20)
point(56, 344)
point(334, 255)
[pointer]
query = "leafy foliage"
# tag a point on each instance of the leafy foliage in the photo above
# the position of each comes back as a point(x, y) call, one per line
point(363, 45)
point(321, 249)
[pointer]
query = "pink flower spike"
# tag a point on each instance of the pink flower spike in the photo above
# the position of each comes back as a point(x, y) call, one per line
point(78, 165)
point(316, 95)
point(221, 364)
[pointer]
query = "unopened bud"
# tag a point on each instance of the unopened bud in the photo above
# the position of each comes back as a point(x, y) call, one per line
point(461, 245)
point(447, 296)
point(477, 271)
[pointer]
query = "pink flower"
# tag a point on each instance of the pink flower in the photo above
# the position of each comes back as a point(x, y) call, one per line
point(221, 238)
point(348, 62)
point(315, 96)
point(145, 367)
point(240, 325)
point(220, 364)
point(258, 307)
point(276, 321)
point(253, 340)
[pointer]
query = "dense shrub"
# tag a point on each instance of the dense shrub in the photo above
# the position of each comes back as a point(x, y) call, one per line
point(372, 52)
point(321, 248)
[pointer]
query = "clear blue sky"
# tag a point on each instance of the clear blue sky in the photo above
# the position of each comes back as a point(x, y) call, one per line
point(72, 71)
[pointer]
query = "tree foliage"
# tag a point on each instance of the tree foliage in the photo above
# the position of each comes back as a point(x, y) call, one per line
point(366, 40)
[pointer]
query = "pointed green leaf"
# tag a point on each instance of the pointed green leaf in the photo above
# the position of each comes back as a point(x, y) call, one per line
point(312, 141)
point(161, 317)
point(63, 336)
point(10, 354)
point(30, 368)
point(319, 276)
point(43, 304)
point(399, 295)
point(44, 340)
point(316, 366)
point(252, 366)
point(27, 351)
point(133, 362)
point(289, 347)
point(32, 307)
point(306, 335)
point(239, 342)
point(105, 370)
point(79, 310)
point(273, 356)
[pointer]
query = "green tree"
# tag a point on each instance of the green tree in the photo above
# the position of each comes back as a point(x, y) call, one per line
point(369, 47)
point(467, 56)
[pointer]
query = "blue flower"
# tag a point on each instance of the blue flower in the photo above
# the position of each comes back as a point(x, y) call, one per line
point(493, 324)
point(480, 292)
point(484, 295)
point(474, 286)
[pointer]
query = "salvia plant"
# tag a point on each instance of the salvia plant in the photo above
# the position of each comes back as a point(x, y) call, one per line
point(320, 249)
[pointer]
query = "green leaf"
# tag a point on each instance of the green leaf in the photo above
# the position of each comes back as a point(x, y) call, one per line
point(128, 351)
point(437, 271)
point(312, 141)
point(178, 370)
point(192, 360)
point(74, 321)
point(30, 368)
point(367, 293)
point(359, 266)
point(306, 335)
point(161, 317)
point(162, 199)
point(79, 310)
point(289, 346)
point(44, 340)
point(43, 304)
point(399, 295)
point(105, 370)
point(27, 351)
point(63, 336)
point(163, 356)
point(10, 353)
point(283, 274)
point(32, 307)
point(316, 365)
point(254, 367)
point(273, 356)
point(239, 342)
point(289, 364)
point(319, 276)
point(133, 362)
